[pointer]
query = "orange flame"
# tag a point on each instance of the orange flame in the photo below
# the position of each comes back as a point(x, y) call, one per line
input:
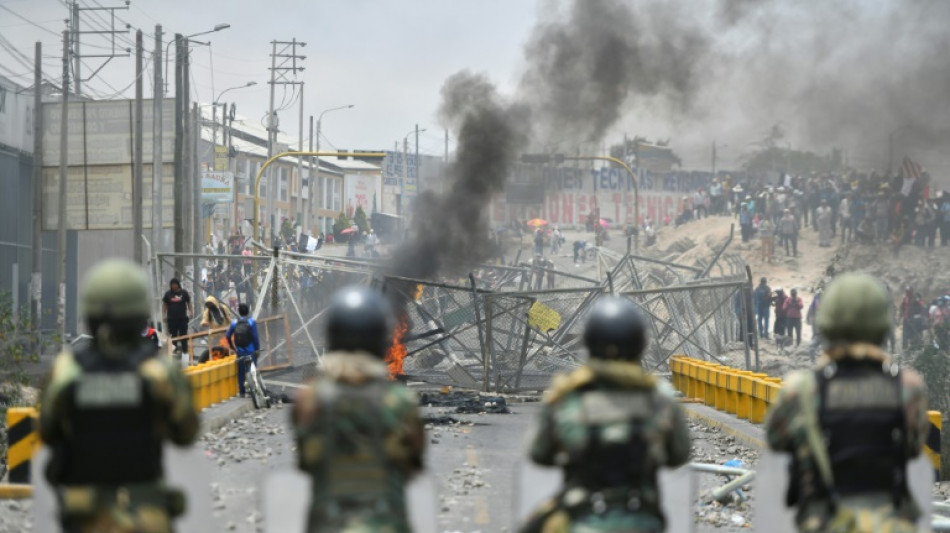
point(396, 355)
point(419, 289)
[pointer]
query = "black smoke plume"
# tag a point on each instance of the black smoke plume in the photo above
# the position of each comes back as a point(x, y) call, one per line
point(584, 66)
point(449, 233)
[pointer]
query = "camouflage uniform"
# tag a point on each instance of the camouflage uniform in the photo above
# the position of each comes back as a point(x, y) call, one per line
point(105, 414)
point(610, 427)
point(360, 438)
point(847, 473)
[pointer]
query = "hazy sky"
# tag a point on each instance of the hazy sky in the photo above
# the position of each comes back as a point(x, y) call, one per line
point(388, 58)
point(852, 74)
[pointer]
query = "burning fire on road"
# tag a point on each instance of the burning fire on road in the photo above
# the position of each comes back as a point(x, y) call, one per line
point(396, 355)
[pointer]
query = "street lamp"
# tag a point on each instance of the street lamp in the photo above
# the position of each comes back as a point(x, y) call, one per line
point(308, 213)
point(217, 27)
point(248, 84)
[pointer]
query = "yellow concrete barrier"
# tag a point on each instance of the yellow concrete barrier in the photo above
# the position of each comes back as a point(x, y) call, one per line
point(213, 381)
point(23, 439)
point(932, 444)
point(748, 395)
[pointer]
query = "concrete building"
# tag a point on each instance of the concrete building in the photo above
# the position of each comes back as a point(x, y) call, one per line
point(340, 184)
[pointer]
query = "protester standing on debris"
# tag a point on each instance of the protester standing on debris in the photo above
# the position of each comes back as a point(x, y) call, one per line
point(359, 435)
point(177, 311)
point(610, 426)
point(216, 315)
point(108, 409)
point(793, 315)
point(823, 216)
point(778, 301)
point(912, 314)
point(844, 217)
point(762, 298)
point(852, 424)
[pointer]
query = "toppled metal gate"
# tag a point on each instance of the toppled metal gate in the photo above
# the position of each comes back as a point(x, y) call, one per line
point(496, 330)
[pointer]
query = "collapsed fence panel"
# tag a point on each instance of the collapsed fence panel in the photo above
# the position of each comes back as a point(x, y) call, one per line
point(502, 329)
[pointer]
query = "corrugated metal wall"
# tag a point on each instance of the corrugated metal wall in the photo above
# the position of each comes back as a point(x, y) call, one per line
point(16, 227)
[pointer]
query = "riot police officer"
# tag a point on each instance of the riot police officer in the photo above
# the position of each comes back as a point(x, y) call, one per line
point(108, 408)
point(359, 435)
point(610, 427)
point(852, 424)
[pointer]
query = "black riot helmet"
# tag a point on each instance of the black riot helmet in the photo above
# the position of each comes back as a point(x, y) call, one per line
point(616, 330)
point(360, 319)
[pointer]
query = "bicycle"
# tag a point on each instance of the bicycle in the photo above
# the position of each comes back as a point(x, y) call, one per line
point(254, 384)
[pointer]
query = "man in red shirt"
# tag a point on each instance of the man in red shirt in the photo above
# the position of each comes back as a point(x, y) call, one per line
point(793, 316)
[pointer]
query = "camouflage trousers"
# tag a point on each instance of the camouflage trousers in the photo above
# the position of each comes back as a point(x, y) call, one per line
point(142, 519)
point(877, 519)
point(359, 524)
point(551, 517)
point(132, 509)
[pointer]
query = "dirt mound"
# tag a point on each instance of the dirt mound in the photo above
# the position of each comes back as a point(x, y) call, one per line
point(927, 270)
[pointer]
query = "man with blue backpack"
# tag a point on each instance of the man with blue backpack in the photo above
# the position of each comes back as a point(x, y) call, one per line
point(244, 340)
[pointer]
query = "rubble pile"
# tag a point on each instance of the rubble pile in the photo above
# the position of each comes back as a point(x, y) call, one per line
point(461, 482)
point(733, 513)
point(244, 439)
point(466, 402)
point(16, 516)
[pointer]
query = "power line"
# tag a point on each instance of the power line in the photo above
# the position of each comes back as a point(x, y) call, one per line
point(28, 21)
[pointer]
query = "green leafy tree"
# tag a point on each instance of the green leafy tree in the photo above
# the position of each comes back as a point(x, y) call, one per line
point(342, 222)
point(21, 343)
point(359, 218)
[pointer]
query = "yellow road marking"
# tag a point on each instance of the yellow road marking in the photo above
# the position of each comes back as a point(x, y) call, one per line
point(471, 456)
point(481, 511)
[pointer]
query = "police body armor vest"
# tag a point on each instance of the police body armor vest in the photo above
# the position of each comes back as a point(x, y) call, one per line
point(862, 420)
point(113, 438)
point(617, 452)
point(355, 466)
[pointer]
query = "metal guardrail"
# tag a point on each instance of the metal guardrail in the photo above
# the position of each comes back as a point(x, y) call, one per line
point(748, 395)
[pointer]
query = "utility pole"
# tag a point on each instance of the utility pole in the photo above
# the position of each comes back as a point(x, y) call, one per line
point(299, 204)
point(625, 192)
point(271, 128)
point(309, 212)
point(187, 167)
point(75, 32)
point(179, 183)
point(405, 175)
point(232, 165)
point(418, 169)
point(61, 218)
point(137, 233)
point(280, 74)
point(197, 230)
point(157, 163)
point(36, 280)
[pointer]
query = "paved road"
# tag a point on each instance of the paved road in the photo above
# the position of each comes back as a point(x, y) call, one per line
point(474, 464)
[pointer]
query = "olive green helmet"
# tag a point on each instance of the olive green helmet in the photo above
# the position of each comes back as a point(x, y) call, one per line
point(115, 289)
point(855, 308)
